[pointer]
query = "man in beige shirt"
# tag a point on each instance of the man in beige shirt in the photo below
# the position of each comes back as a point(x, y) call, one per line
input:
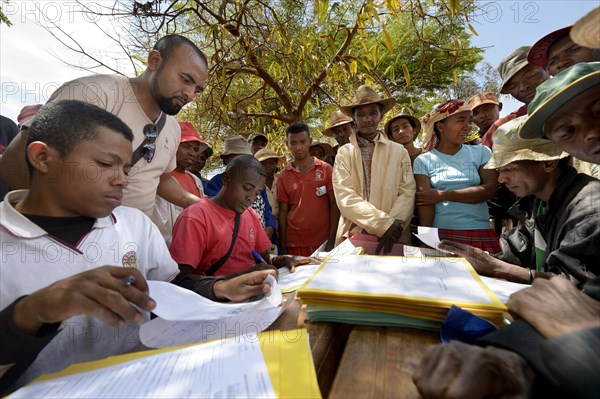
point(372, 178)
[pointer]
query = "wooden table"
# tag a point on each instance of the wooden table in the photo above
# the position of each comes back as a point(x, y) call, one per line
point(378, 362)
point(360, 361)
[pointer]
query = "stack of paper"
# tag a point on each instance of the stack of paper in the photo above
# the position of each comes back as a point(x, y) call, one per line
point(271, 364)
point(376, 289)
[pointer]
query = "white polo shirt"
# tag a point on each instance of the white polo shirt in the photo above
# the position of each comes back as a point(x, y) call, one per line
point(32, 259)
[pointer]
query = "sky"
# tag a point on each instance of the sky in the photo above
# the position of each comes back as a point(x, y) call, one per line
point(33, 63)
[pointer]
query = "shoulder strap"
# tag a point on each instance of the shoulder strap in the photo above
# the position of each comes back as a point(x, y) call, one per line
point(212, 270)
point(137, 154)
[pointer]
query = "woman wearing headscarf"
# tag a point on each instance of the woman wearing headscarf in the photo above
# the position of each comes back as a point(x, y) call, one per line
point(452, 185)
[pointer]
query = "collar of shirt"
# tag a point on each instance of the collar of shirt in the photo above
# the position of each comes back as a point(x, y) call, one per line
point(20, 226)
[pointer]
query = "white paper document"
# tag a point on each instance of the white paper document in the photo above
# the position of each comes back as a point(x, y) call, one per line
point(503, 289)
point(430, 236)
point(345, 248)
point(187, 318)
point(435, 278)
point(289, 282)
point(233, 368)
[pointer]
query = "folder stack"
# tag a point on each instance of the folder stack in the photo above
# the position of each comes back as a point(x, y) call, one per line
point(397, 291)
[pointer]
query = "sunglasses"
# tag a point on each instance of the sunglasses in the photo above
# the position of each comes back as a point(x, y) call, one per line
point(149, 148)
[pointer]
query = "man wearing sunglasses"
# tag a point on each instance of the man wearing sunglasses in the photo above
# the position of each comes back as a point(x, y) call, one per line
point(177, 71)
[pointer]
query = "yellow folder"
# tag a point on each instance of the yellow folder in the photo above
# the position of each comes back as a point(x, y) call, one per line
point(287, 356)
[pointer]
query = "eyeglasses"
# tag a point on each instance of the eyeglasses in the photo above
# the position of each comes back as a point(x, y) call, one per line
point(149, 148)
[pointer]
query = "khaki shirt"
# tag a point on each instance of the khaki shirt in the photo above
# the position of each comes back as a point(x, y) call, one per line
point(392, 190)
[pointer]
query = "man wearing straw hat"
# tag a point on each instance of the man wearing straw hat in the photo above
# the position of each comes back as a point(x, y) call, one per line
point(559, 214)
point(372, 177)
point(551, 350)
point(340, 128)
point(404, 129)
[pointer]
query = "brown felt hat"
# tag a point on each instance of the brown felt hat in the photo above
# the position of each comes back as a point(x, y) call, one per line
point(336, 119)
point(365, 95)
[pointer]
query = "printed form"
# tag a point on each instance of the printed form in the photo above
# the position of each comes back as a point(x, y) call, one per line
point(234, 368)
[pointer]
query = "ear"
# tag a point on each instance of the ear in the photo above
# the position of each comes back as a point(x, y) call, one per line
point(39, 154)
point(549, 166)
point(500, 107)
point(154, 60)
point(225, 179)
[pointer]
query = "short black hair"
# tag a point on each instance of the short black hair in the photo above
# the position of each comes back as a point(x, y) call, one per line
point(297, 127)
point(242, 163)
point(166, 44)
point(66, 123)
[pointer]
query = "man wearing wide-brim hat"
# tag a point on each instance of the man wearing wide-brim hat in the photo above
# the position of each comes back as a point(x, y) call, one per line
point(519, 79)
point(372, 177)
point(340, 128)
point(559, 216)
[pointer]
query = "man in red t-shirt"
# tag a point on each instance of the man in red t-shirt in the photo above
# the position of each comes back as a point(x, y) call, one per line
point(308, 213)
point(203, 233)
point(191, 144)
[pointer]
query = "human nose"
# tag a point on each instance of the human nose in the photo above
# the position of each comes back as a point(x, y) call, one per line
point(120, 178)
point(502, 177)
point(591, 130)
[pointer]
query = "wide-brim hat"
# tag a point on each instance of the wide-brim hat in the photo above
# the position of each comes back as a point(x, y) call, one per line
point(189, 133)
point(365, 95)
point(255, 135)
point(236, 145)
point(551, 95)
point(512, 64)
point(586, 31)
point(327, 148)
point(508, 147)
point(265, 153)
point(416, 123)
point(538, 53)
point(336, 119)
point(483, 98)
point(441, 112)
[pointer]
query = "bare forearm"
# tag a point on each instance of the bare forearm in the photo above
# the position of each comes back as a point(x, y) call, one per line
point(171, 190)
point(470, 195)
point(426, 215)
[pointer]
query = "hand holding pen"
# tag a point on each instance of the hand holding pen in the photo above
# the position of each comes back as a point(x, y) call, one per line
point(106, 293)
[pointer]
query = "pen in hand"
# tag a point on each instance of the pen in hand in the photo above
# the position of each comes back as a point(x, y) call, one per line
point(258, 257)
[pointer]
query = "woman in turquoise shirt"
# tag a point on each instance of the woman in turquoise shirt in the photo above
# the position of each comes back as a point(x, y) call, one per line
point(452, 185)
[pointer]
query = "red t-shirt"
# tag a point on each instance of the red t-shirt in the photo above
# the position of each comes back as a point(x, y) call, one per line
point(308, 210)
point(202, 235)
point(187, 182)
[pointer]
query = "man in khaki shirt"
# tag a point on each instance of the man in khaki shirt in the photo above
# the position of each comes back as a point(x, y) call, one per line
point(372, 178)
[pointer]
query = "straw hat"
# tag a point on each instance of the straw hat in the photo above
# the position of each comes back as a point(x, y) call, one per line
point(586, 31)
point(439, 113)
point(512, 64)
point(415, 122)
point(327, 148)
point(538, 54)
point(189, 133)
point(551, 95)
point(483, 98)
point(508, 147)
point(236, 145)
point(336, 119)
point(265, 153)
point(365, 95)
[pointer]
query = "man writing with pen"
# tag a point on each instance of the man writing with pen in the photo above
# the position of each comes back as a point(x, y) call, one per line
point(222, 235)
